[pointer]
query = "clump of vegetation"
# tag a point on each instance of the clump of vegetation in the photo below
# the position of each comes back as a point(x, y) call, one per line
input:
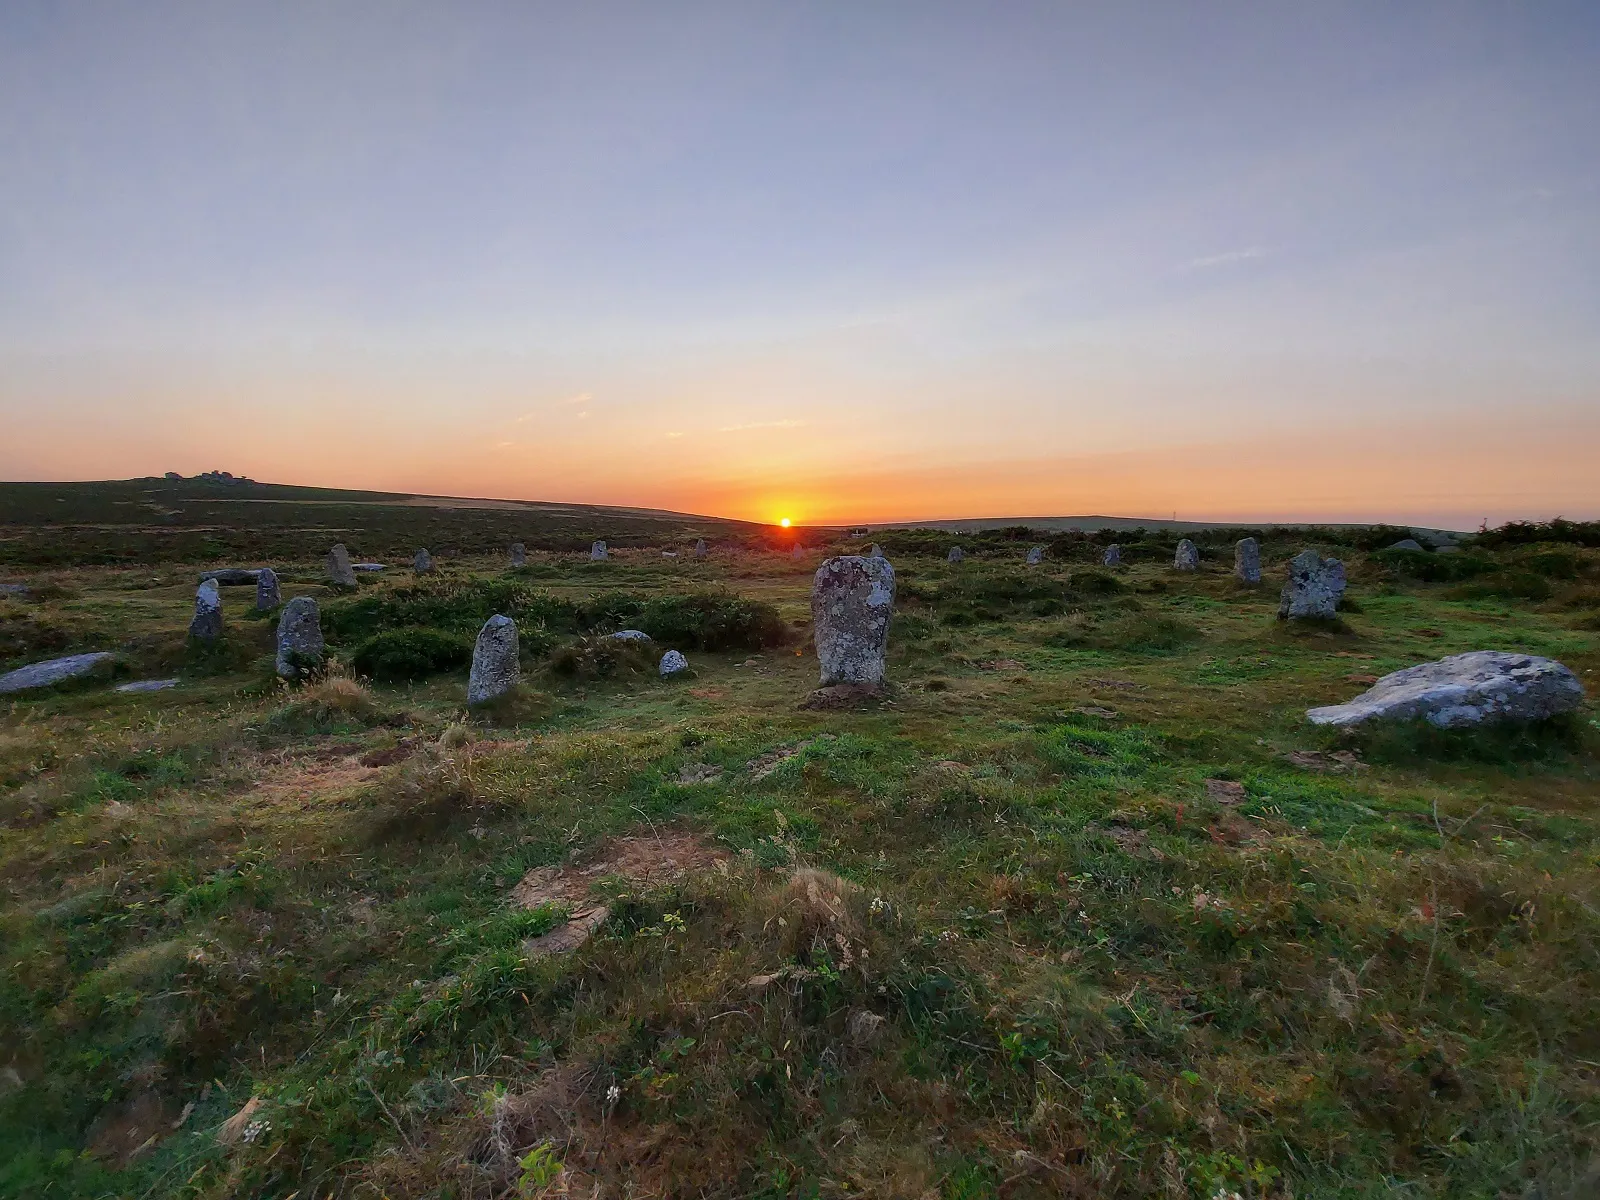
point(602, 657)
point(399, 654)
point(331, 702)
point(1133, 632)
point(1435, 568)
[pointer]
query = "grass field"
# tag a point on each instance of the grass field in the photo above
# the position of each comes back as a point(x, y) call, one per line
point(1085, 910)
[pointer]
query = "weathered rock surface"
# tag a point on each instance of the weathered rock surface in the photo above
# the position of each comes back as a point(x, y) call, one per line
point(852, 600)
point(371, 568)
point(631, 635)
point(53, 671)
point(495, 668)
point(1035, 556)
point(206, 624)
point(1247, 561)
point(955, 554)
point(1315, 587)
point(422, 562)
point(519, 555)
point(268, 594)
point(1112, 556)
point(700, 548)
point(300, 644)
point(15, 590)
point(672, 663)
point(598, 552)
point(669, 554)
point(1187, 558)
point(1407, 544)
point(339, 569)
point(147, 685)
point(1477, 688)
point(230, 576)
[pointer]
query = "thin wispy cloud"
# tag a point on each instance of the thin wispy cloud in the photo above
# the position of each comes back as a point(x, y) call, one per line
point(1226, 258)
point(761, 425)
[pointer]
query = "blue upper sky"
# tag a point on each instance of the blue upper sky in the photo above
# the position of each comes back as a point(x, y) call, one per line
point(874, 260)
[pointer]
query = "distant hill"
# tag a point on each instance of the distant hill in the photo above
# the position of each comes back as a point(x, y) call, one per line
point(1095, 524)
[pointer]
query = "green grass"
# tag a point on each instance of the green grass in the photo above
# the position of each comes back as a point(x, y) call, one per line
point(1036, 955)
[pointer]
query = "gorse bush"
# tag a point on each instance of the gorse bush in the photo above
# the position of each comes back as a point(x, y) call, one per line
point(1435, 568)
point(411, 654)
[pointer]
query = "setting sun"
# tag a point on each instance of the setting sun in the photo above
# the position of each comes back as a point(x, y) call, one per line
point(784, 522)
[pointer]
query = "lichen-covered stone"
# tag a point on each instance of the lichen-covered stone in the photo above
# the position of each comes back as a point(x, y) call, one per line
point(1112, 556)
point(300, 644)
point(495, 666)
point(673, 663)
point(422, 563)
point(955, 554)
point(598, 552)
point(268, 594)
point(1187, 558)
point(1408, 544)
point(519, 554)
point(876, 551)
point(1247, 561)
point(1315, 587)
point(1035, 556)
point(206, 624)
point(1477, 688)
point(339, 568)
point(631, 635)
point(852, 601)
point(53, 671)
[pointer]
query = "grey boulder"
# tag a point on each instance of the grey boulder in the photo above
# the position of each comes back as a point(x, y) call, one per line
point(1247, 561)
point(852, 600)
point(1187, 557)
point(598, 552)
point(1035, 556)
point(1112, 556)
point(300, 644)
point(519, 555)
point(18, 590)
point(1315, 587)
point(53, 671)
point(631, 635)
point(672, 663)
point(147, 685)
point(268, 594)
point(206, 625)
point(495, 667)
point(1407, 544)
point(422, 563)
point(955, 554)
point(339, 569)
point(370, 568)
point(1477, 688)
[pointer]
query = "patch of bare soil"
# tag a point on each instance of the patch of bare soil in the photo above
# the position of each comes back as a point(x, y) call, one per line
point(653, 859)
point(845, 696)
point(1001, 664)
point(128, 1130)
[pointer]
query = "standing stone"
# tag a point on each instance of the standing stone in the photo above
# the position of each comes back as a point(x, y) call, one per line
point(1112, 557)
point(876, 551)
point(495, 669)
point(1035, 556)
point(700, 548)
point(955, 554)
point(598, 552)
point(672, 663)
point(1187, 558)
point(1315, 587)
point(268, 594)
point(422, 564)
point(339, 569)
point(798, 552)
point(519, 554)
point(206, 625)
point(1480, 687)
point(1408, 544)
point(1247, 561)
point(300, 644)
point(852, 599)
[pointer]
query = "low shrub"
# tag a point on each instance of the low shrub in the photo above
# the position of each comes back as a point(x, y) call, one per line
point(602, 658)
point(1435, 568)
point(1507, 585)
point(400, 654)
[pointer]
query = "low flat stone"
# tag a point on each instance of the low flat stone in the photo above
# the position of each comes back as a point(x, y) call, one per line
point(53, 671)
point(631, 635)
point(147, 685)
point(231, 576)
point(13, 589)
point(369, 567)
point(1480, 687)
point(1408, 544)
point(673, 663)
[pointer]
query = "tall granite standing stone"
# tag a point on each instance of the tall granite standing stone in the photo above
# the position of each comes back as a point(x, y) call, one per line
point(1035, 556)
point(422, 564)
point(1112, 556)
point(1187, 558)
point(1247, 561)
point(852, 599)
point(598, 552)
point(206, 624)
point(300, 644)
point(519, 554)
point(495, 669)
point(798, 552)
point(700, 548)
point(339, 568)
point(1315, 587)
point(268, 594)
point(955, 554)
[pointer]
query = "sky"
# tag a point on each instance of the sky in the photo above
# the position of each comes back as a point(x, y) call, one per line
point(839, 262)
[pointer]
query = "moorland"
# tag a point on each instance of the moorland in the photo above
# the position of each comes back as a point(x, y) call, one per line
point(1083, 907)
